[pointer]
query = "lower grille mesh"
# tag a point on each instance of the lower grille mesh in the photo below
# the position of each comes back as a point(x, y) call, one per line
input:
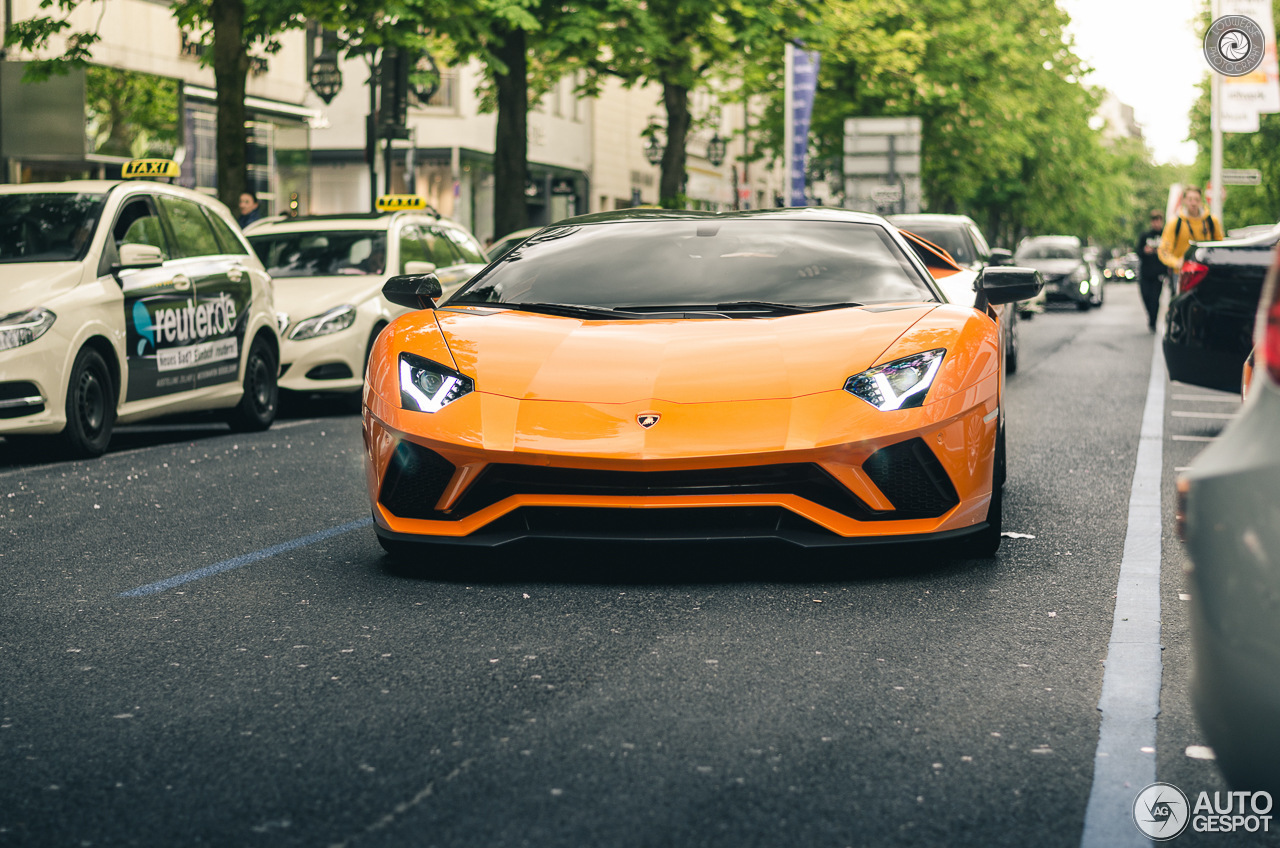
point(416, 478)
point(912, 478)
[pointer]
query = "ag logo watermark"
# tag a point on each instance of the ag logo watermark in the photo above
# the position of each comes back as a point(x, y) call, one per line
point(1162, 812)
point(1234, 45)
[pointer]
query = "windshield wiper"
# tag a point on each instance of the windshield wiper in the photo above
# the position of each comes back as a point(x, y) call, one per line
point(569, 310)
point(790, 308)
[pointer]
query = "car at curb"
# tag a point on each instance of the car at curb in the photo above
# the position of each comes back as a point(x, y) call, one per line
point(124, 300)
point(329, 271)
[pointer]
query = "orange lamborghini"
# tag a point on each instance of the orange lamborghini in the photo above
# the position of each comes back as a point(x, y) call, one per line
point(794, 374)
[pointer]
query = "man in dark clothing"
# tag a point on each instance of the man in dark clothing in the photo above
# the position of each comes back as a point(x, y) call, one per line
point(1151, 270)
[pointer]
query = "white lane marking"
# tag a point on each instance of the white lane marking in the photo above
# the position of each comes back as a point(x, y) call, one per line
point(1217, 416)
point(1193, 438)
point(1130, 698)
point(1207, 399)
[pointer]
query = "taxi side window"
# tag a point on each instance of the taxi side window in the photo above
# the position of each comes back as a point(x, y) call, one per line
point(191, 229)
point(138, 223)
point(411, 247)
point(466, 245)
point(438, 248)
point(231, 244)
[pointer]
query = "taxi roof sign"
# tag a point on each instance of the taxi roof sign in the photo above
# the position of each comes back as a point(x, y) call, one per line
point(146, 168)
point(400, 202)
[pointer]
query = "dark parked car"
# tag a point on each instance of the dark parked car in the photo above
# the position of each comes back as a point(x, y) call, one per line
point(1068, 275)
point(1209, 323)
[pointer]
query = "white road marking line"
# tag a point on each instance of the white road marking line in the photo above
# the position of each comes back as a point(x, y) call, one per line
point(1217, 416)
point(1130, 698)
point(1193, 438)
point(1207, 399)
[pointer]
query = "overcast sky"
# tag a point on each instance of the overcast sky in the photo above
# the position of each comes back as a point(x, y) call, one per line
point(1146, 52)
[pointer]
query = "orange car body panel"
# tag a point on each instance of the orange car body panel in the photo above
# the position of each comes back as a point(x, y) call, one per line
point(564, 392)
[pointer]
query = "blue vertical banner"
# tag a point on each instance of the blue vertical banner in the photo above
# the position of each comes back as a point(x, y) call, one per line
point(804, 84)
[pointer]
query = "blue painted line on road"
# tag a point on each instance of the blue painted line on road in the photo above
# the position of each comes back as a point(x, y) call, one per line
point(1125, 761)
point(229, 564)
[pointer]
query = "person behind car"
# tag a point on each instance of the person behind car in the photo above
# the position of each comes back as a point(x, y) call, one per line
point(1151, 270)
point(1197, 224)
point(250, 211)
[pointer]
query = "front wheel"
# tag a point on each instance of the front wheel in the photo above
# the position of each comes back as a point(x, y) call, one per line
point(91, 406)
point(257, 408)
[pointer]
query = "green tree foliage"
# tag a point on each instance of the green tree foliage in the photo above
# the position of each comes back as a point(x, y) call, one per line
point(525, 46)
point(130, 114)
point(678, 44)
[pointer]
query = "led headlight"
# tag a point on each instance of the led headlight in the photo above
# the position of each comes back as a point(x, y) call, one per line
point(335, 320)
point(20, 328)
point(900, 384)
point(428, 386)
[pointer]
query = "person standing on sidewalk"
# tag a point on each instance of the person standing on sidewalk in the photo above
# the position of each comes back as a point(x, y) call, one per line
point(1194, 223)
point(1150, 269)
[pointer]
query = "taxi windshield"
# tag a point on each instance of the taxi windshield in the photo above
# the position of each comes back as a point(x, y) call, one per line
point(681, 262)
point(47, 227)
point(322, 253)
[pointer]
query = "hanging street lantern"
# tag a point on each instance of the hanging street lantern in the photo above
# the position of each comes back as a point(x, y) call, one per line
point(653, 151)
point(716, 149)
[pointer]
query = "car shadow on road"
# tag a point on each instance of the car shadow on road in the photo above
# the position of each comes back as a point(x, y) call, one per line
point(667, 563)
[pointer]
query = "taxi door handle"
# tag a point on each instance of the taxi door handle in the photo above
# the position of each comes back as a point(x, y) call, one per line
point(181, 282)
point(236, 273)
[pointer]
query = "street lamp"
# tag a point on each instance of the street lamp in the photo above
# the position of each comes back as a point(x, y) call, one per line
point(716, 150)
point(653, 151)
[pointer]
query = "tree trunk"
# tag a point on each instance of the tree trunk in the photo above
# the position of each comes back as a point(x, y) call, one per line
point(671, 188)
point(230, 70)
point(511, 144)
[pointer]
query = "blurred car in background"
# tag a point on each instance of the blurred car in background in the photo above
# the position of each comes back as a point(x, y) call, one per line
point(507, 243)
point(1068, 275)
point(329, 271)
point(1229, 518)
point(1209, 321)
point(1122, 269)
point(960, 236)
point(960, 285)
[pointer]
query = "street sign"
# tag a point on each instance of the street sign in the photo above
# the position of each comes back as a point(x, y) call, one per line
point(901, 166)
point(1241, 176)
point(882, 164)
point(882, 126)
point(887, 194)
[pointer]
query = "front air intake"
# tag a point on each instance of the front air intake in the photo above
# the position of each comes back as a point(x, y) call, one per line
point(416, 478)
point(912, 478)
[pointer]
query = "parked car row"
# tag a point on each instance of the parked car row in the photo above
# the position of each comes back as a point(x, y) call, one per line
point(124, 300)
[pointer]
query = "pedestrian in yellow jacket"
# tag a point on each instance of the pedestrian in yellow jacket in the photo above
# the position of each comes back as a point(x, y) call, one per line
point(1196, 225)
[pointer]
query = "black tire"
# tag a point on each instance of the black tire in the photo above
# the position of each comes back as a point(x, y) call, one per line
point(985, 543)
point(257, 408)
point(91, 406)
point(1011, 355)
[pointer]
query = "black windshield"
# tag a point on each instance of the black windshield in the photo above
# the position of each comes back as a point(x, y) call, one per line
point(673, 263)
point(50, 227)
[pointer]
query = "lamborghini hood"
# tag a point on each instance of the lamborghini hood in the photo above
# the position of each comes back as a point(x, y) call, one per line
point(539, 357)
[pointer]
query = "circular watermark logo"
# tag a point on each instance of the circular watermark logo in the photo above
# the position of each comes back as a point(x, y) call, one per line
point(1234, 45)
point(1161, 811)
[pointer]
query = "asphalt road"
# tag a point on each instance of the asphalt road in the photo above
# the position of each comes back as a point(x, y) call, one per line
point(309, 693)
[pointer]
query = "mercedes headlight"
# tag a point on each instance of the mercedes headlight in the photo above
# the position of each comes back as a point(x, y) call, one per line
point(428, 386)
point(20, 328)
point(900, 384)
point(335, 320)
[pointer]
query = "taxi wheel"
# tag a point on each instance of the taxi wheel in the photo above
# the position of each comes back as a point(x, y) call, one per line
point(91, 406)
point(257, 409)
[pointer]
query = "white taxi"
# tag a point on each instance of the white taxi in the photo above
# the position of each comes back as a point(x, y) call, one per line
point(328, 272)
point(126, 300)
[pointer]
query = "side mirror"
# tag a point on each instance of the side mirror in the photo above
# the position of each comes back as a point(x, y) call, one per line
point(1000, 257)
point(1008, 285)
point(417, 268)
point(416, 291)
point(140, 256)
